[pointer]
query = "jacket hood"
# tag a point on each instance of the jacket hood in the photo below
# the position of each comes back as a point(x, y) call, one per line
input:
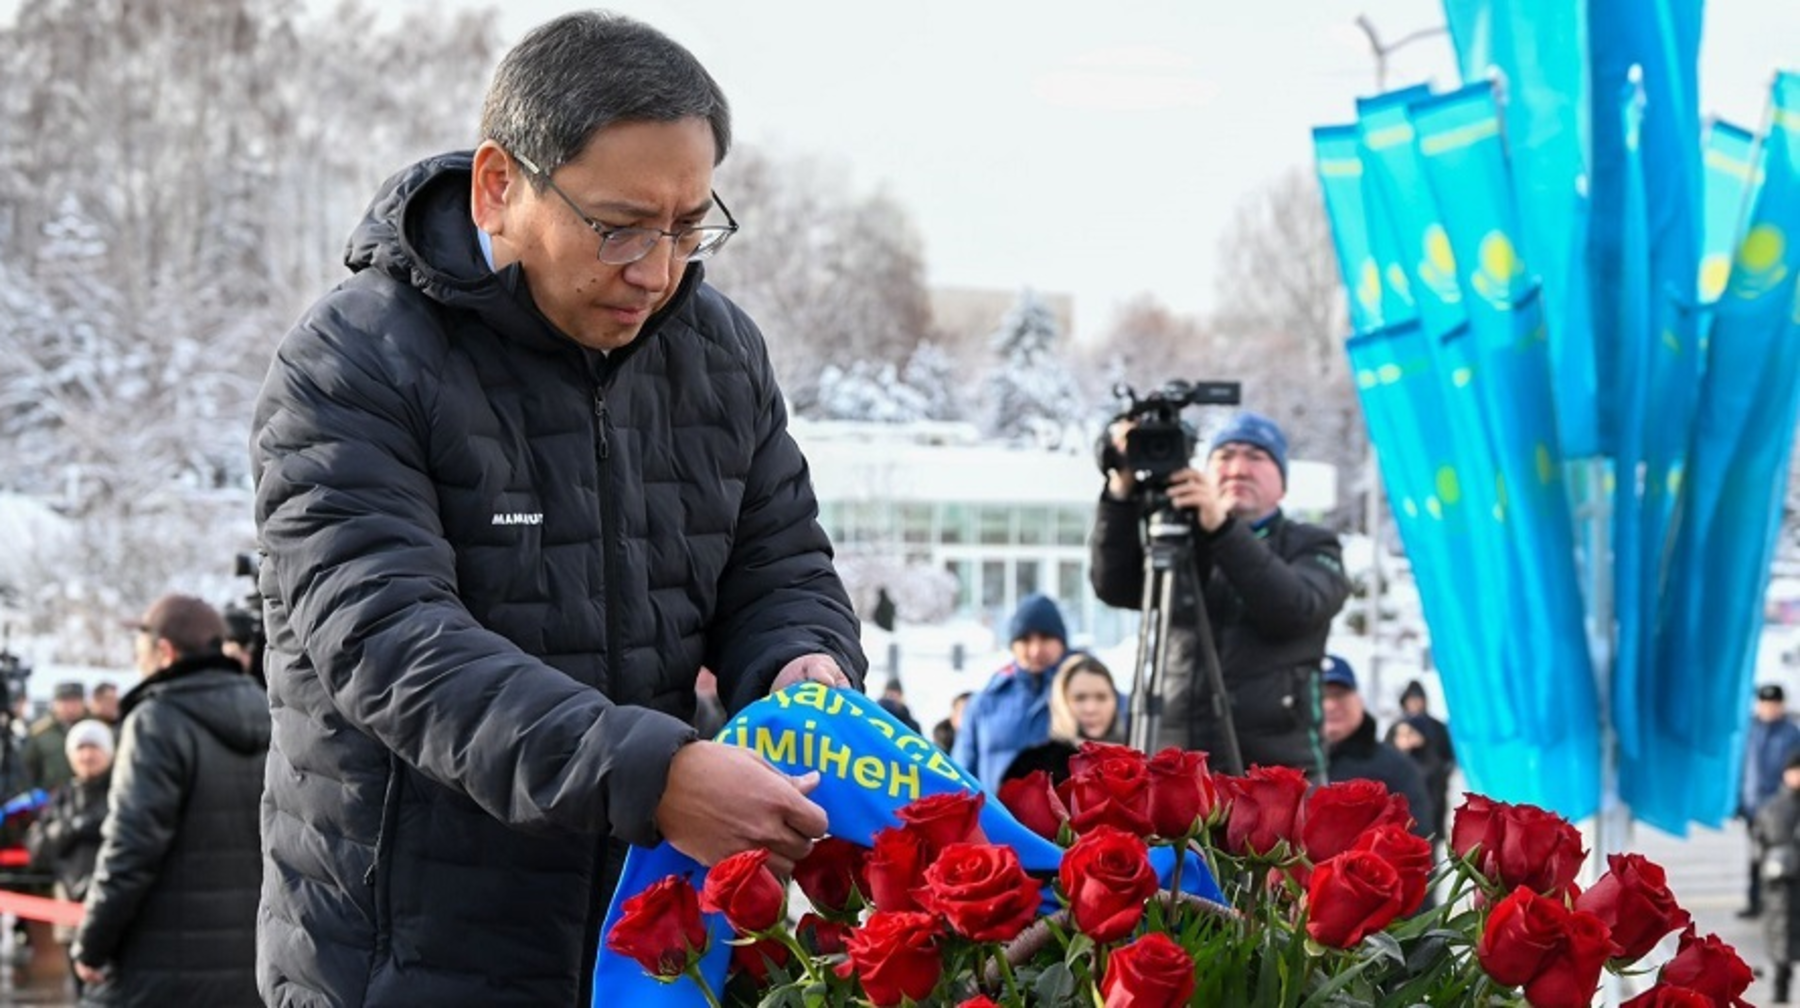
point(419, 230)
point(216, 693)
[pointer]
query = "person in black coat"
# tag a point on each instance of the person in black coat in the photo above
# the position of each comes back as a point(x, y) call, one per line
point(518, 479)
point(1408, 736)
point(64, 840)
point(1775, 832)
point(171, 911)
point(1357, 754)
point(1268, 586)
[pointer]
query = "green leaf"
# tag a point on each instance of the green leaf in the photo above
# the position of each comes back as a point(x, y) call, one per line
point(1056, 987)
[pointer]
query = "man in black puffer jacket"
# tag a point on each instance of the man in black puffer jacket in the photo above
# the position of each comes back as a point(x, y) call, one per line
point(518, 479)
point(1271, 588)
point(171, 910)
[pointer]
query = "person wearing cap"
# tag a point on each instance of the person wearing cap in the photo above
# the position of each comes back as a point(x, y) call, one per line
point(1355, 753)
point(1772, 738)
point(104, 704)
point(519, 477)
point(1012, 712)
point(171, 912)
point(1775, 842)
point(64, 839)
point(1267, 585)
point(43, 759)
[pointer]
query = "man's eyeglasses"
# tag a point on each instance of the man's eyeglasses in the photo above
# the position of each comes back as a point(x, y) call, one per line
point(622, 246)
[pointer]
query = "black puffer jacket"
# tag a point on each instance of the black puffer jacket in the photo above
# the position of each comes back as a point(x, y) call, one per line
point(65, 839)
point(172, 907)
point(1271, 593)
point(495, 562)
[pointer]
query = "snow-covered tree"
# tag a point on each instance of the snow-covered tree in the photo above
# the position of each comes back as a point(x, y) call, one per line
point(1031, 396)
point(933, 375)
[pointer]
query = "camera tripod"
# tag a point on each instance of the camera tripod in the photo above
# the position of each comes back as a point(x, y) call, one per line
point(1168, 548)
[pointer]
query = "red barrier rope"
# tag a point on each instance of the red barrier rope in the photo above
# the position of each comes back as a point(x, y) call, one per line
point(41, 908)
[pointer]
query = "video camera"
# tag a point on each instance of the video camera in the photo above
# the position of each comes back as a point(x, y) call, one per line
point(1160, 444)
point(244, 623)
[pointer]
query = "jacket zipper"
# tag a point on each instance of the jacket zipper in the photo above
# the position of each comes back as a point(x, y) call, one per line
point(609, 534)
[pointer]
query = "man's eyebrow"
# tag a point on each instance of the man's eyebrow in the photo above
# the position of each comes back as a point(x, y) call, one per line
point(637, 211)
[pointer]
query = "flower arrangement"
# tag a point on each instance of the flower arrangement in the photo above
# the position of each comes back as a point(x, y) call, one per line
point(1327, 903)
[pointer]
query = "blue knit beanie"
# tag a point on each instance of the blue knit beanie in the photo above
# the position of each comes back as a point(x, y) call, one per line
point(1254, 429)
point(1038, 614)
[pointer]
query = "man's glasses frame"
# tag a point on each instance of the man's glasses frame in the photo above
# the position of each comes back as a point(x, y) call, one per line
point(622, 246)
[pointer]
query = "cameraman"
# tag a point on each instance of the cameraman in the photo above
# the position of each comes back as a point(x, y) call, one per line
point(1271, 587)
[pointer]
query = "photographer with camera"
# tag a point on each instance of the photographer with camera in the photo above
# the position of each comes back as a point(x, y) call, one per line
point(1271, 587)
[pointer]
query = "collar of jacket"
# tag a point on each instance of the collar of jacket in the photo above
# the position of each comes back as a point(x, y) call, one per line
point(1360, 742)
point(419, 230)
point(190, 666)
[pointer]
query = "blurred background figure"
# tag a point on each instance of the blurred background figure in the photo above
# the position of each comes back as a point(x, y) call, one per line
point(104, 705)
point(1085, 703)
point(171, 911)
point(1775, 837)
point(1355, 753)
point(65, 839)
point(1414, 704)
point(45, 763)
point(1772, 739)
point(893, 700)
point(1408, 736)
point(1013, 710)
point(944, 732)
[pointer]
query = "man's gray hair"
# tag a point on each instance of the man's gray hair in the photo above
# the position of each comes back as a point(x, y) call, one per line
point(574, 76)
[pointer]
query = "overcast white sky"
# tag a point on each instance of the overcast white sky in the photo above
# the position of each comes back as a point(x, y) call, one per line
point(1045, 143)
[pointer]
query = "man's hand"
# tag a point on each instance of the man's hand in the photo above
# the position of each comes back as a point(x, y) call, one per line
point(810, 668)
point(1197, 490)
point(721, 799)
point(1120, 482)
point(89, 975)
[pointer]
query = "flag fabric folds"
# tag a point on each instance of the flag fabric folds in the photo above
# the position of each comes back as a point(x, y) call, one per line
point(1592, 280)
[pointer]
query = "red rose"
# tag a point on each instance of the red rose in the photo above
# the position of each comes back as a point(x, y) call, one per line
point(1350, 897)
point(1111, 787)
point(895, 955)
point(896, 867)
point(1709, 966)
point(1264, 803)
point(1521, 932)
point(1335, 816)
point(980, 1000)
point(744, 889)
point(1520, 845)
point(1107, 878)
point(1032, 800)
point(1181, 793)
point(1152, 972)
point(832, 872)
point(1633, 899)
point(826, 937)
point(1553, 952)
point(947, 818)
point(661, 928)
point(982, 891)
point(1470, 824)
point(1664, 996)
point(759, 956)
point(1571, 975)
point(1411, 857)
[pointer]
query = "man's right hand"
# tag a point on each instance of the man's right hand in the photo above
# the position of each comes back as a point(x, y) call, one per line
point(722, 799)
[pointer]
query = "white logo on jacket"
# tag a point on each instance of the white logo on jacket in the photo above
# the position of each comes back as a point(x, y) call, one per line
point(519, 518)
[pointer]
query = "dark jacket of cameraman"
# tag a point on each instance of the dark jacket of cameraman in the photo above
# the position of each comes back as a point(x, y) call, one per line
point(1271, 592)
point(494, 563)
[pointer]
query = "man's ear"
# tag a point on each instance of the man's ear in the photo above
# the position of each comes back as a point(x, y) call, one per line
point(497, 179)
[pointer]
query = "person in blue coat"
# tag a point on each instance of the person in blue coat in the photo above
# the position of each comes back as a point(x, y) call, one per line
point(1773, 737)
point(1013, 710)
